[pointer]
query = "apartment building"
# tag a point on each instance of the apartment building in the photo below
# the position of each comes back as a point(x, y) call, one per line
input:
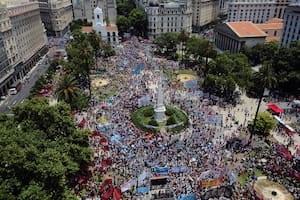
point(291, 30)
point(23, 38)
point(168, 17)
point(257, 11)
point(56, 15)
point(204, 12)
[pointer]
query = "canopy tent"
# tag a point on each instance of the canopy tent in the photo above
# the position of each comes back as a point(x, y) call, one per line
point(275, 108)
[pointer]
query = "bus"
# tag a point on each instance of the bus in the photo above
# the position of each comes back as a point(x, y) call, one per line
point(15, 87)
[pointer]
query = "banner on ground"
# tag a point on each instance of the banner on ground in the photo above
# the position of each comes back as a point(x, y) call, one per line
point(127, 186)
point(179, 169)
point(190, 84)
point(188, 197)
point(143, 189)
point(143, 176)
point(161, 170)
point(212, 183)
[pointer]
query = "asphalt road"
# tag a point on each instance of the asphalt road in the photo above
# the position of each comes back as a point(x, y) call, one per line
point(10, 101)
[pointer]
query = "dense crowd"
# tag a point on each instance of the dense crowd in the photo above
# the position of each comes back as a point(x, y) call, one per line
point(128, 155)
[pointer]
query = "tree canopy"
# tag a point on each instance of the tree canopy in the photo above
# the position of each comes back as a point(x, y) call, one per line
point(41, 151)
point(167, 44)
point(284, 62)
point(225, 73)
point(264, 124)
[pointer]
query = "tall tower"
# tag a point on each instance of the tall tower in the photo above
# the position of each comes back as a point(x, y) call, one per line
point(159, 107)
point(98, 24)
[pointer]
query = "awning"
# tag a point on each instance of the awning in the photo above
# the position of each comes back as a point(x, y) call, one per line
point(275, 108)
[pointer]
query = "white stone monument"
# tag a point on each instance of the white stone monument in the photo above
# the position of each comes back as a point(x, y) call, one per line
point(159, 107)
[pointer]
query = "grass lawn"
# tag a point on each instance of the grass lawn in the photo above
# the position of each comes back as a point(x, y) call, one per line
point(245, 177)
point(189, 72)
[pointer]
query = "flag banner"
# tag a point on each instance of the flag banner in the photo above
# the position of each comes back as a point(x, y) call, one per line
point(127, 186)
point(161, 170)
point(190, 84)
point(211, 183)
point(143, 189)
point(188, 197)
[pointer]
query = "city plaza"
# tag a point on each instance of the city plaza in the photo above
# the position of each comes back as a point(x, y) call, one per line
point(212, 158)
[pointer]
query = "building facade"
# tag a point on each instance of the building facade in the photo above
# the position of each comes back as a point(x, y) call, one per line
point(56, 15)
point(272, 28)
point(291, 30)
point(4, 68)
point(168, 17)
point(232, 36)
point(223, 6)
point(23, 38)
point(204, 12)
point(83, 9)
point(256, 11)
point(108, 33)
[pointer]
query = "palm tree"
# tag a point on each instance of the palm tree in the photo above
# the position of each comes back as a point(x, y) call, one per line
point(183, 37)
point(266, 79)
point(67, 89)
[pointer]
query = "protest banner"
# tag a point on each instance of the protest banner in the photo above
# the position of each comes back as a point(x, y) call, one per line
point(211, 183)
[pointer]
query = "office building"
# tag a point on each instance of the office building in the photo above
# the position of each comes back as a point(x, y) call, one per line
point(56, 15)
point(256, 11)
point(204, 12)
point(291, 30)
point(168, 17)
point(23, 38)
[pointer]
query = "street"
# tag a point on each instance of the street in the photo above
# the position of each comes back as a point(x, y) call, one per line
point(12, 100)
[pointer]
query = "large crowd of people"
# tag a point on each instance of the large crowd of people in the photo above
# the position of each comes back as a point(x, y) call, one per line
point(194, 160)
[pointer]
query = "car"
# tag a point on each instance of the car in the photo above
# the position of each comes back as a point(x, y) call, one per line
point(2, 97)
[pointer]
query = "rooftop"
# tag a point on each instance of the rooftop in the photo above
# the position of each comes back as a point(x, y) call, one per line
point(246, 29)
point(270, 26)
point(87, 28)
point(111, 28)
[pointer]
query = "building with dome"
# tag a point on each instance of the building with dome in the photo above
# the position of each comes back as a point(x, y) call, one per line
point(167, 16)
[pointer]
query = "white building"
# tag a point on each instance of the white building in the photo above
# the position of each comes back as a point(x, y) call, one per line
point(108, 33)
point(291, 30)
point(83, 9)
point(56, 15)
point(168, 17)
point(257, 11)
point(204, 12)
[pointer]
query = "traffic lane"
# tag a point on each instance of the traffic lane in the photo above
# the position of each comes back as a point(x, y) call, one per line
point(25, 91)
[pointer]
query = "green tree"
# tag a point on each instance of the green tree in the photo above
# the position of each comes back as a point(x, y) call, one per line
point(67, 89)
point(123, 24)
point(167, 44)
point(41, 151)
point(183, 36)
point(264, 124)
point(95, 40)
point(138, 21)
point(124, 7)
